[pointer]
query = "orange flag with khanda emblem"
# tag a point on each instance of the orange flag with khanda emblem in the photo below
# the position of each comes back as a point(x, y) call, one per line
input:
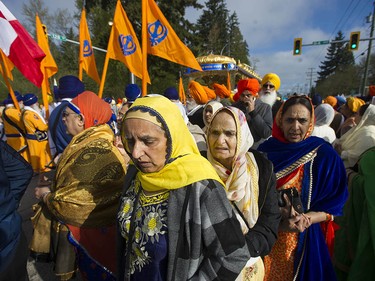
point(163, 41)
point(123, 44)
point(48, 64)
point(86, 52)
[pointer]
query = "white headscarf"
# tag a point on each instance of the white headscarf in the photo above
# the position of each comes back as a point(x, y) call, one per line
point(241, 183)
point(359, 138)
point(324, 114)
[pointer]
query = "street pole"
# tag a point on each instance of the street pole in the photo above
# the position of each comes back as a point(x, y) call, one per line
point(368, 52)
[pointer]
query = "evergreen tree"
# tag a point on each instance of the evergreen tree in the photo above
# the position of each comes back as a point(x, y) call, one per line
point(212, 28)
point(337, 58)
point(238, 47)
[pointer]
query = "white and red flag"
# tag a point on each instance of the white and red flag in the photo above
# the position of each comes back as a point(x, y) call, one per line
point(20, 47)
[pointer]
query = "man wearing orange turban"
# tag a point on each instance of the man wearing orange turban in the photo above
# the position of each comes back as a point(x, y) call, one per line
point(258, 114)
point(197, 96)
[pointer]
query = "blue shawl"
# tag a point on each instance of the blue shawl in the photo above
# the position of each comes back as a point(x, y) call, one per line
point(329, 193)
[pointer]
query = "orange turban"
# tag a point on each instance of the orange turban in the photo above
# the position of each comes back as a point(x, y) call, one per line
point(354, 103)
point(331, 100)
point(221, 91)
point(371, 90)
point(210, 93)
point(198, 92)
point(94, 110)
point(250, 84)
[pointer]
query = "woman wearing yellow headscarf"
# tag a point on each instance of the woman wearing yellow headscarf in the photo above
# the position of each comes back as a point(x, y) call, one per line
point(175, 221)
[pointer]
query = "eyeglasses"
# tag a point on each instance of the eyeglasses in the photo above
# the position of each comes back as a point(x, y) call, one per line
point(266, 86)
point(66, 114)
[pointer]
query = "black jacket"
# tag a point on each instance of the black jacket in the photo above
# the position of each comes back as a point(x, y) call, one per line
point(263, 235)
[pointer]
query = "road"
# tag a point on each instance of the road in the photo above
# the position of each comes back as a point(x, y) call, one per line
point(37, 270)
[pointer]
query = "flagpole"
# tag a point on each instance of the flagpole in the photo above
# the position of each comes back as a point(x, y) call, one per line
point(11, 92)
point(44, 93)
point(144, 48)
point(104, 74)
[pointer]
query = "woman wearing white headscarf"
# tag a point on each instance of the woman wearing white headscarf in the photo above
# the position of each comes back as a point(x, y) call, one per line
point(249, 182)
point(209, 111)
point(359, 138)
point(324, 114)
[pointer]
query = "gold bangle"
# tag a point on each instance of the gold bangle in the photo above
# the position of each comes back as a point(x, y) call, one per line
point(329, 217)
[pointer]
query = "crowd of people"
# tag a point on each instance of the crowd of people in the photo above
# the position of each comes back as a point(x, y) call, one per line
point(236, 185)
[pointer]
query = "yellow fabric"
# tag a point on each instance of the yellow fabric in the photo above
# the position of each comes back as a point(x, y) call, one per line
point(123, 29)
point(88, 180)
point(171, 47)
point(184, 165)
point(86, 53)
point(39, 151)
point(273, 78)
point(354, 103)
point(15, 142)
point(140, 115)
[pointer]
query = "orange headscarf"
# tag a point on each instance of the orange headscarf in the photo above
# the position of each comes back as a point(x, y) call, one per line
point(221, 91)
point(94, 110)
point(198, 92)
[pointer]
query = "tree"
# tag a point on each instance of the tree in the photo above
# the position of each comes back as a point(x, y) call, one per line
point(338, 73)
point(238, 47)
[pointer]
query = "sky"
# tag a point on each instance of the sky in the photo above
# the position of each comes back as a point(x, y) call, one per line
point(270, 26)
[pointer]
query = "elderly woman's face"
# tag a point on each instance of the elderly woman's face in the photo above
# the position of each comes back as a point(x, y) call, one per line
point(295, 123)
point(222, 138)
point(147, 144)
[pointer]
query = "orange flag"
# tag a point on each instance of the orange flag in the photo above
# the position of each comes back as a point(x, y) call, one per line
point(163, 41)
point(7, 66)
point(123, 44)
point(48, 65)
point(86, 52)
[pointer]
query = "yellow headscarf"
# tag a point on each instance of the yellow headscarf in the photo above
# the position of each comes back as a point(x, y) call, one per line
point(184, 164)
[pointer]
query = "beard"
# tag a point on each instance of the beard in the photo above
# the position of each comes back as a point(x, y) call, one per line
point(268, 98)
point(190, 105)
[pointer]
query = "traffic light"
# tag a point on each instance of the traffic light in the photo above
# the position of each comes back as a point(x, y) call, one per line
point(354, 40)
point(297, 49)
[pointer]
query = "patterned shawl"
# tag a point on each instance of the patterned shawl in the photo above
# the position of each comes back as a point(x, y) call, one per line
point(241, 183)
point(88, 180)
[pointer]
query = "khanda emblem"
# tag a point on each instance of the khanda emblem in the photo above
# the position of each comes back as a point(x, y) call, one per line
point(157, 32)
point(87, 50)
point(127, 44)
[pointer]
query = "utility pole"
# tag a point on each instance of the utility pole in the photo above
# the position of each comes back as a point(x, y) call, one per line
point(368, 52)
point(310, 75)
